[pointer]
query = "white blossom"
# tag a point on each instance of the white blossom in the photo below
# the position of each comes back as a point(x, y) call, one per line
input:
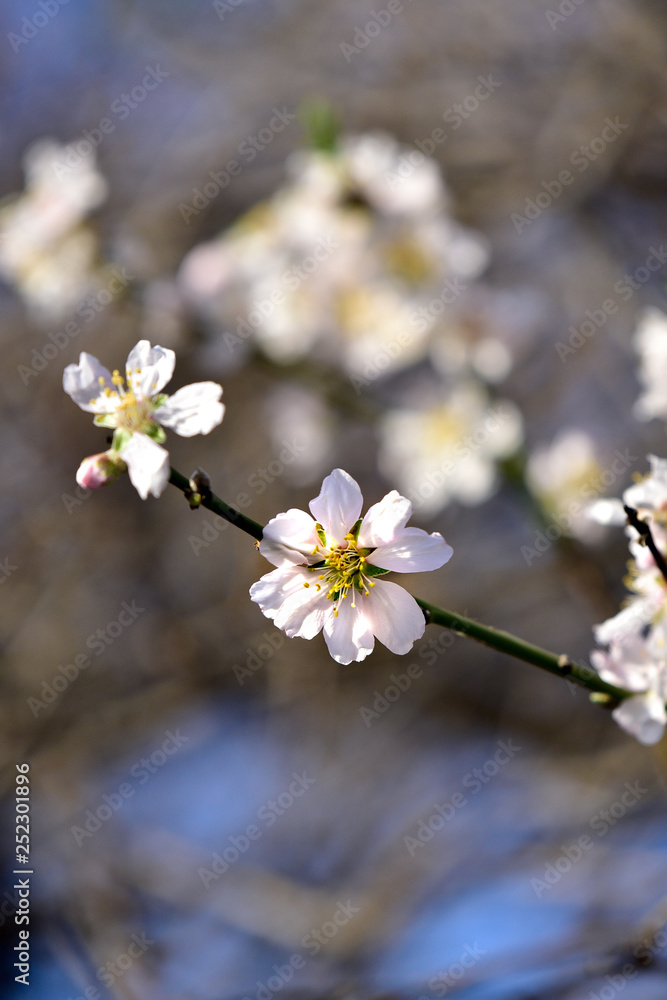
point(449, 450)
point(328, 568)
point(137, 409)
point(636, 637)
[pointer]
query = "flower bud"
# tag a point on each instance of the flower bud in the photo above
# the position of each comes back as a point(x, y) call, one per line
point(99, 470)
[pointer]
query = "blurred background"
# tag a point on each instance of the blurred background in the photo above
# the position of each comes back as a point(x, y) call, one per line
point(413, 240)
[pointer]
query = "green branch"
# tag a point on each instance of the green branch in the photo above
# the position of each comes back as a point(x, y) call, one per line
point(213, 503)
point(503, 642)
point(562, 666)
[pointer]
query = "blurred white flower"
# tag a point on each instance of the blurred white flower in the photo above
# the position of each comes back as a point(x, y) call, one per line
point(393, 178)
point(45, 250)
point(564, 476)
point(651, 343)
point(448, 451)
point(487, 330)
point(337, 262)
point(328, 566)
point(139, 411)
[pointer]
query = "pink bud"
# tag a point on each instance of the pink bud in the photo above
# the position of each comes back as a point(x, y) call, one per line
point(99, 470)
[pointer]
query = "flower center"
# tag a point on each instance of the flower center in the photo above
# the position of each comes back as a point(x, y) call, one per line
point(132, 414)
point(342, 570)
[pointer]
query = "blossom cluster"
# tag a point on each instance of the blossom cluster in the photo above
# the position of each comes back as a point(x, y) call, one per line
point(358, 263)
point(48, 252)
point(355, 265)
point(327, 564)
point(636, 655)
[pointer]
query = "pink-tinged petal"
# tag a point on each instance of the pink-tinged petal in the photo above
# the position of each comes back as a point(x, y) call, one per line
point(413, 551)
point(384, 520)
point(338, 506)
point(643, 716)
point(349, 636)
point(275, 588)
point(100, 470)
point(147, 464)
point(394, 616)
point(194, 409)
point(148, 369)
point(82, 383)
point(627, 621)
point(620, 667)
point(290, 596)
point(290, 538)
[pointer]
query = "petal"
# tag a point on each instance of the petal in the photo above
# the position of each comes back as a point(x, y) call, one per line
point(394, 616)
point(643, 716)
point(606, 511)
point(626, 665)
point(630, 619)
point(82, 383)
point(274, 588)
point(338, 506)
point(148, 369)
point(384, 520)
point(289, 538)
point(147, 464)
point(414, 551)
point(349, 635)
point(194, 409)
point(303, 615)
point(297, 609)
